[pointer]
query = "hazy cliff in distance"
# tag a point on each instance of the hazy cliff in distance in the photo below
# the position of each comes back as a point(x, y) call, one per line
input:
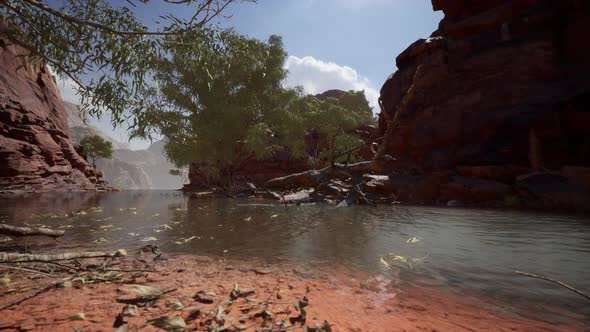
point(129, 169)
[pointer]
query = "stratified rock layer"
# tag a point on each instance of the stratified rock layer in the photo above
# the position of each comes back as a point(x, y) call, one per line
point(502, 88)
point(35, 149)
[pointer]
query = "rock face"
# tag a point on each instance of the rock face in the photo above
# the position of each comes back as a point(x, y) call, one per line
point(35, 149)
point(502, 88)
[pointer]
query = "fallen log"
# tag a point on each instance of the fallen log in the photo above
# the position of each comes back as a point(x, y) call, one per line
point(9, 257)
point(313, 178)
point(30, 231)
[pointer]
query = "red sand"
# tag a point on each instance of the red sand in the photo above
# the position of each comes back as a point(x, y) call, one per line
point(348, 300)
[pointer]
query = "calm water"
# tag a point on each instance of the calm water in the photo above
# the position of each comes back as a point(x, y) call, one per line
point(467, 249)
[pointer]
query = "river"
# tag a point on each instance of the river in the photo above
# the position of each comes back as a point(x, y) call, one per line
point(460, 249)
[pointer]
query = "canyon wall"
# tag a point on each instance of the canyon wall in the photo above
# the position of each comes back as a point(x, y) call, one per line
point(497, 99)
point(36, 153)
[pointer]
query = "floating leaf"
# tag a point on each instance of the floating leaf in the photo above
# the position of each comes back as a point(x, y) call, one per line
point(78, 316)
point(413, 240)
point(274, 216)
point(189, 239)
point(148, 239)
point(248, 219)
point(144, 292)
point(172, 324)
point(384, 262)
point(122, 252)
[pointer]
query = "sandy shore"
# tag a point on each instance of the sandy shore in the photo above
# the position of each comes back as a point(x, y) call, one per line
point(198, 289)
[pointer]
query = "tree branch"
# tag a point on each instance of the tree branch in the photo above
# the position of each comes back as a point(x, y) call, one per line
point(209, 16)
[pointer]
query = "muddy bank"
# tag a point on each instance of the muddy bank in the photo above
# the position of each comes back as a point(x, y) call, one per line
point(202, 290)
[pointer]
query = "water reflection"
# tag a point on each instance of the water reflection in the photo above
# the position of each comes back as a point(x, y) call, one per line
point(468, 249)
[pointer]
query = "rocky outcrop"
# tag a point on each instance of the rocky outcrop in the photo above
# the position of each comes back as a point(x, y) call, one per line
point(35, 149)
point(501, 89)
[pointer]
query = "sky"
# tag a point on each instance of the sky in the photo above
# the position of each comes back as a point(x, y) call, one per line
point(332, 44)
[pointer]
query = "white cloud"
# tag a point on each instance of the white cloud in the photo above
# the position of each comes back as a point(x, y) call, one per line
point(317, 76)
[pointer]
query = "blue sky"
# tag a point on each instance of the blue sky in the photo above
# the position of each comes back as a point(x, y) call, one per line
point(344, 44)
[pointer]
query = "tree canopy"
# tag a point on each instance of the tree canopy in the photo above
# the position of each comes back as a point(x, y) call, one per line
point(102, 47)
point(96, 147)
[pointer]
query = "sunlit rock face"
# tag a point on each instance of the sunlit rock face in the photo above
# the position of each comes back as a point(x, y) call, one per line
point(501, 83)
point(36, 153)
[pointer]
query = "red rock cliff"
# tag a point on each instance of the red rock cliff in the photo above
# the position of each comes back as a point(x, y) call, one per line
point(502, 88)
point(500, 82)
point(35, 148)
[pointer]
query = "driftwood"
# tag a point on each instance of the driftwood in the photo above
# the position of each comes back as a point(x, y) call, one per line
point(8, 257)
point(579, 292)
point(318, 178)
point(29, 231)
point(313, 178)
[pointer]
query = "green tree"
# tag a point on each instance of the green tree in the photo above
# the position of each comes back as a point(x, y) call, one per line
point(223, 103)
point(96, 147)
point(102, 47)
point(332, 122)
